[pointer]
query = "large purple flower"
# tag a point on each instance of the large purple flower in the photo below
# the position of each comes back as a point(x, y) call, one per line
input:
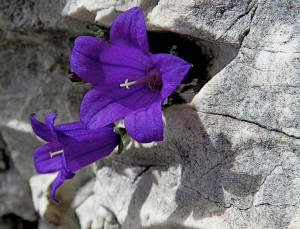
point(129, 82)
point(70, 147)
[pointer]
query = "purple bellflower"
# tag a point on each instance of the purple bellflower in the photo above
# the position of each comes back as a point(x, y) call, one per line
point(70, 147)
point(129, 81)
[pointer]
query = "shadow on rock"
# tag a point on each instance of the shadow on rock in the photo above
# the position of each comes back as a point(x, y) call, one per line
point(138, 198)
point(206, 183)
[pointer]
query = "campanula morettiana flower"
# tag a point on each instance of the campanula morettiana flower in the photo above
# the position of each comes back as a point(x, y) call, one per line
point(70, 147)
point(129, 81)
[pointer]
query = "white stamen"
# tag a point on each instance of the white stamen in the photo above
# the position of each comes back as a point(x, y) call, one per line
point(52, 154)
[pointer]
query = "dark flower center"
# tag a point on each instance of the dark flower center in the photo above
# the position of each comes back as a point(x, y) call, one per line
point(153, 80)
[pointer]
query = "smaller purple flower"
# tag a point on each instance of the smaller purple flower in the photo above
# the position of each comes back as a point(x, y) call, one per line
point(70, 147)
point(129, 81)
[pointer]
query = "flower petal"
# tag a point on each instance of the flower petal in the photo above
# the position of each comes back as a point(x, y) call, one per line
point(70, 132)
point(130, 27)
point(113, 65)
point(42, 130)
point(43, 162)
point(81, 154)
point(121, 61)
point(145, 125)
point(49, 121)
point(173, 70)
point(84, 59)
point(99, 109)
point(71, 127)
point(81, 134)
point(59, 180)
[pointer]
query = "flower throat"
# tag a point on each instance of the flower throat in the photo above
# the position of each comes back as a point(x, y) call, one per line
point(153, 79)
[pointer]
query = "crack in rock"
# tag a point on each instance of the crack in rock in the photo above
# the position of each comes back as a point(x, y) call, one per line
point(247, 31)
point(254, 7)
point(271, 51)
point(254, 123)
point(142, 173)
point(206, 198)
point(281, 206)
point(269, 174)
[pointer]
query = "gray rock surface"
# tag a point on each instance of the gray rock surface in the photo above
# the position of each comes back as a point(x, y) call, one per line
point(219, 21)
point(261, 84)
point(15, 195)
point(233, 168)
point(230, 158)
point(34, 51)
point(59, 215)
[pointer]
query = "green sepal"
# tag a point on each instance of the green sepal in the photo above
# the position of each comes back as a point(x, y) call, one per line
point(124, 139)
point(120, 147)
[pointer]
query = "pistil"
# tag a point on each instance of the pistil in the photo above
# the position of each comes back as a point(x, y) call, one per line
point(127, 84)
point(153, 79)
point(52, 154)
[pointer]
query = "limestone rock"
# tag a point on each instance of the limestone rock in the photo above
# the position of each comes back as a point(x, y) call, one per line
point(24, 16)
point(230, 169)
point(15, 195)
point(34, 50)
point(98, 217)
point(231, 159)
point(39, 185)
point(4, 161)
point(103, 12)
point(61, 214)
point(260, 84)
point(219, 21)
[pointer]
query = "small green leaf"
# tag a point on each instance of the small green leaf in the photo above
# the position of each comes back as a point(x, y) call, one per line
point(120, 147)
point(124, 139)
point(94, 28)
point(99, 32)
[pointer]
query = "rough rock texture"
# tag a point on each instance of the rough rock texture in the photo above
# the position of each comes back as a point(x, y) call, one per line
point(34, 50)
point(230, 158)
point(61, 215)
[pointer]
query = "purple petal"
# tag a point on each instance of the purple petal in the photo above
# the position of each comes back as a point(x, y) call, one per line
point(55, 185)
point(43, 162)
point(130, 27)
point(42, 130)
point(49, 121)
point(98, 109)
point(59, 180)
point(173, 70)
point(81, 134)
point(70, 128)
point(84, 58)
point(145, 125)
point(70, 132)
point(81, 154)
point(120, 62)
point(114, 64)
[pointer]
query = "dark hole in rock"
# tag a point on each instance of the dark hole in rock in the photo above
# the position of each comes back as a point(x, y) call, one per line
point(4, 160)
point(16, 222)
point(207, 58)
point(188, 50)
